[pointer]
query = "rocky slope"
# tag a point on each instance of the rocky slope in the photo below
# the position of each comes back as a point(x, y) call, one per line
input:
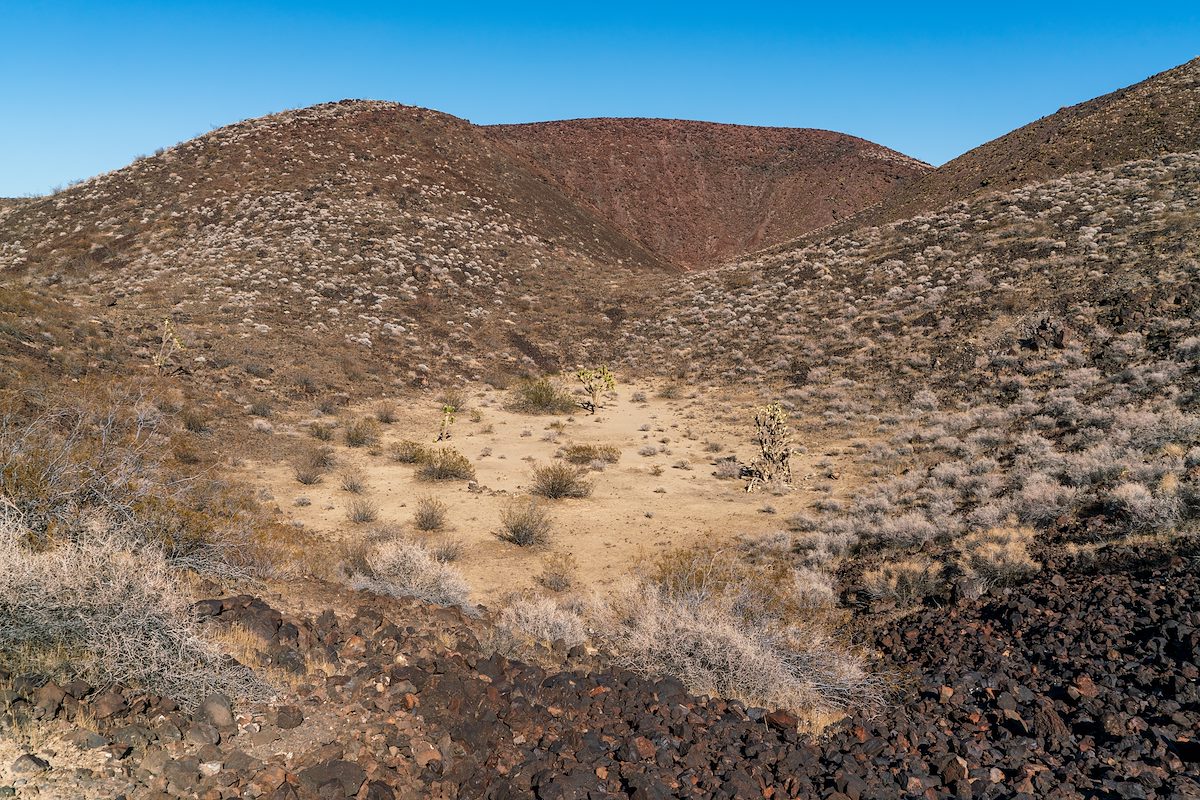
point(351, 226)
point(699, 193)
point(1159, 115)
point(1075, 685)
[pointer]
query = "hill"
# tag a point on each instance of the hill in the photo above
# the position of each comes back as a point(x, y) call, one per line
point(698, 193)
point(310, 237)
point(1159, 115)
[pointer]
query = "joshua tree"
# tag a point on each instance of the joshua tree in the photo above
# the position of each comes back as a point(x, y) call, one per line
point(595, 382)
point(447, 421)
point(775, 447)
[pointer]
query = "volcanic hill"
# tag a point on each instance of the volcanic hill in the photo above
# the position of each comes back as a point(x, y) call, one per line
point(698, 193)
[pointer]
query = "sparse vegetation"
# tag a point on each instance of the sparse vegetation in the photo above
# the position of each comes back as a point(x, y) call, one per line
point(409, 452)
point(581, 454)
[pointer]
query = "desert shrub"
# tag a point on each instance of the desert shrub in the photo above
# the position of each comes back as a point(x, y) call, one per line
point(321, 458)
point(430, 514)
point(543, 619)
point(638, 397)
point(354, 481)
point(648, 450)
point(698, 631)
point(446, 464)
point(525, 523)
point(107, 612)
point(361, 510)
point(307, 475)
point(999, 556)
point(558, 572)
point(1042, 500)
point(409, 452)
point(194, 421)
point(1141, 509)
point(260, 408)
point(672, 391)
point(321, 431)
point(907, 582)
point(540, 396)
point(406, 568)
point(455, 396)
point(385, 412)
point(445, 549)
point(556, 481)
point(362, 432)
point(587, 453)
point(727, 468)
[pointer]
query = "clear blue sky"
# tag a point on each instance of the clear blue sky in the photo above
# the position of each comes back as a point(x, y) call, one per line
point(86, 87)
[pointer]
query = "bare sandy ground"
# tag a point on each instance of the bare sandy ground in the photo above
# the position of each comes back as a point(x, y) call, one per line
point(632, 515)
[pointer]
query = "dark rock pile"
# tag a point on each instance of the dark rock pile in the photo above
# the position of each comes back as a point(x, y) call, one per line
point(1071, 686)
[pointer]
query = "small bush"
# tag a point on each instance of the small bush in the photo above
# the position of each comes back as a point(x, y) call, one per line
point(543, 619)
point(446, 464)
point(555, 481)
point(430, 514)
point(648, 450)
point(307, 475)
point(361, 511)
point(999, 556)
point(321, 458)
point(385, 412)
point(558, 572)
point(525, 523)
point(906, 582)
point(354, 481)
point(103, 611)
point(540, 396)
point(409, 452)
point(586, 453)
point(455, 397)
point(445, 549)
point(406, 568)
point(195, 421)
point(362, 432)
point(727, 468)
point(321, 431)
point(260, 408)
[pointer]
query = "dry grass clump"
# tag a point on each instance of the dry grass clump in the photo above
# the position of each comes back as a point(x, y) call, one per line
point(582, 454)
point(361, 511)
point(556, 481)
point(907, 582)
point(445, 549)
point(999, 556)
point(525, 523)
point(559, 571)
point(321, 431)
point(727, 629)
point(194, 421)
point(430, 514)
point(727, 469)
point(540, 396)
point(106, 611)
point(362, 432)
point(543, 619)
point(406, 568)
point(385, 412)
point(446, 464)
point(409, 452)
point(354, 481)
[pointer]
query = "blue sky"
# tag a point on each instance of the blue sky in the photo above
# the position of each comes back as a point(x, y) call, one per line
point(87, 87)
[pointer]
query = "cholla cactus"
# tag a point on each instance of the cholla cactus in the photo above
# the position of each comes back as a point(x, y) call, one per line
point(595, 382)
point(447, 421)
point(775, 448)
point(169, 345)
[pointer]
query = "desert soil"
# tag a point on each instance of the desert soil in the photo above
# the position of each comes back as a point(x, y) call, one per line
point(631, 516)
